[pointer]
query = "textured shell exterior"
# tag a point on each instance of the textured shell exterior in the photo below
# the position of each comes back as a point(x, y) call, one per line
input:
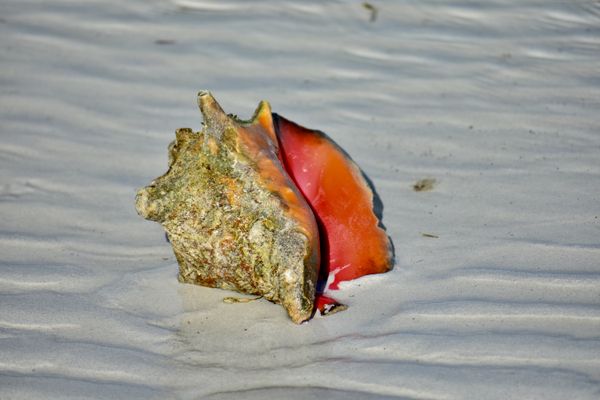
point(233, 216)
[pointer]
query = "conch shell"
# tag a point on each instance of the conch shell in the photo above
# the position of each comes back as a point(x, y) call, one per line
point(263, 206)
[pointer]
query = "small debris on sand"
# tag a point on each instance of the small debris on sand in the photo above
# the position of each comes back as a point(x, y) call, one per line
point(164, 41)
point(370, 7)
point(236, 300)
point(424, 185)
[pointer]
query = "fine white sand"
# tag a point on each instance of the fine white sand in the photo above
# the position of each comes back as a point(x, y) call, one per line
point(496, 100)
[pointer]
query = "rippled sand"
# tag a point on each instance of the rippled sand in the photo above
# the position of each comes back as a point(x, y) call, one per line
point(496, 291)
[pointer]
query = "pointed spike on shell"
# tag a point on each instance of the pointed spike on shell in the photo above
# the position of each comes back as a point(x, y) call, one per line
point(213, 114)
point(147, 206)
point(182, 137)
point(263, 117)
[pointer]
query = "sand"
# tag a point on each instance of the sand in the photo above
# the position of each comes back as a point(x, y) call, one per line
point(496, 288)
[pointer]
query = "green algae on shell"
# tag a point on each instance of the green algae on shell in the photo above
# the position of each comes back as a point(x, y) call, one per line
point(232, 214)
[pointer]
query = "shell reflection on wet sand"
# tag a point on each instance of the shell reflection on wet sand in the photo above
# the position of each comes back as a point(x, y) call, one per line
point(261, 206)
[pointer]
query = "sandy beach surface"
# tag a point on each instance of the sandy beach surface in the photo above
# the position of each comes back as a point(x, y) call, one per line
point(496, 288)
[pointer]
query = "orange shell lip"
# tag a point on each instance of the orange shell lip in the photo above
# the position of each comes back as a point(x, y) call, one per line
point(353, 242)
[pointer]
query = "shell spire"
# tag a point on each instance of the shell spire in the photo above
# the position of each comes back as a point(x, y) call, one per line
point(214, 116)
